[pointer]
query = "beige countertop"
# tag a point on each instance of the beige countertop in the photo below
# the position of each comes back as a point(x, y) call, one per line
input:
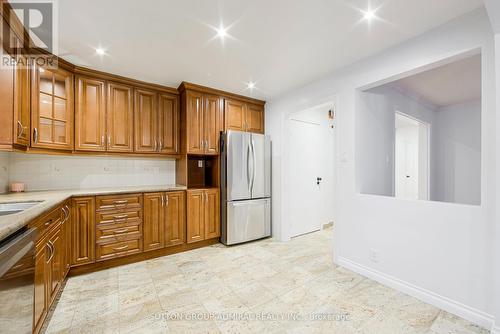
point(49, 199)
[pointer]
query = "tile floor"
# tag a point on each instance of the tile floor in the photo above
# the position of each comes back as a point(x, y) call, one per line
point(222, 289)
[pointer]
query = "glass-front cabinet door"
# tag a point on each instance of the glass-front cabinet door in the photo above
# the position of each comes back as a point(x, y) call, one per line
point(52, 109)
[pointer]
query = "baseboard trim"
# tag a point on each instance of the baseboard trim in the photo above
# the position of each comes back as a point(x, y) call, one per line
point(471, 314)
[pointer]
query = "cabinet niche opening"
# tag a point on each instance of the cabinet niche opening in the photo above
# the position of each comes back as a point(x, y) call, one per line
point(202, 171)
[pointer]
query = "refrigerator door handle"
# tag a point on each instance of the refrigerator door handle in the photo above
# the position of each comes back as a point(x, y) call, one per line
point(253, 164)
point(248, 169)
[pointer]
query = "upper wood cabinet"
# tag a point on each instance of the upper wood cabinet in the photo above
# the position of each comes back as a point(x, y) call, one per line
point(22, 114)
point(146, 121)
point(255, 118)
point(241, 116)
point(203, 123)
point(90, 114)
point(235, 115)
point(194, 123)
point(168, 125)
point(52, 108)
point(120, 118)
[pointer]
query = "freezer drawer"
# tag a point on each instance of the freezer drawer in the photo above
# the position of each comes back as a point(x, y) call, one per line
point(247, 220)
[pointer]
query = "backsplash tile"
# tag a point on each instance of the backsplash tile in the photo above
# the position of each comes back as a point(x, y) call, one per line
point(50, 172)
point(4, 171)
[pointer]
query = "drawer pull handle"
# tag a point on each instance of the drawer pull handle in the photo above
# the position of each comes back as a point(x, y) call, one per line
point(123, 230)
point(120, 217)
point(124, 201)
point(48, 222)
point(120, 248)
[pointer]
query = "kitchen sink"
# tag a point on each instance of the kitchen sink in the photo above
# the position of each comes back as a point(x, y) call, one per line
point(16, 207)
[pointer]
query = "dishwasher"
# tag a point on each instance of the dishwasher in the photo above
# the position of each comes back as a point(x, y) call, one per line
point(17, 275)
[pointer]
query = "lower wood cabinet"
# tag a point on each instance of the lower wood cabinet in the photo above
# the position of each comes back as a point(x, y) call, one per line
point(203, 214)
point(50, 261)
point(164, 219)
point(83, 231)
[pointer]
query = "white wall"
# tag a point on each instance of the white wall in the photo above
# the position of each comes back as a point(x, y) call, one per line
point(50, 172)
point(440, 252)
point(497, 220)
point(456, 154)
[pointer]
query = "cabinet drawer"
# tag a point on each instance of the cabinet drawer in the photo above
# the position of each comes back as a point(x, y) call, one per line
point(118, 249)
point(119, 202)
point(118, 216)
point(47, 222)
point(118, 232)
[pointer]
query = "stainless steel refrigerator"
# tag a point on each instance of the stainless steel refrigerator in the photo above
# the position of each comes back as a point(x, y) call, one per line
point(245, 187)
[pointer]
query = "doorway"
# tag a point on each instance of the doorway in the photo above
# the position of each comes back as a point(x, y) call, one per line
point(311, 167)
point(411, 156)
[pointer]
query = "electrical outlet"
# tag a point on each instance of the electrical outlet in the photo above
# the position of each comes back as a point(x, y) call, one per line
point(374, 255)
point(200, 163)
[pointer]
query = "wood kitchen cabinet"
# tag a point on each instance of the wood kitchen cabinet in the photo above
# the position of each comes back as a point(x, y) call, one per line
point(83, 231)
point(154, 221)
point(175, 218)
point(203, 123)
point(50, 257)
point(90, 114)
point(52, 108)
point(120, 118)
point(168, 123)
point(146, 121)
point(22, 112)
point(203, 214)
point(164, 219)
point(242, 116)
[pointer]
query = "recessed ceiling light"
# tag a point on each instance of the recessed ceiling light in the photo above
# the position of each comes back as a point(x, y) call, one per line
point(369, 15)
point(100, 51)
point(250, 85)
point(221, 32)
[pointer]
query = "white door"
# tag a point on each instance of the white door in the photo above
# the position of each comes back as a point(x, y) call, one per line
point(408, 155)
point(311, 157)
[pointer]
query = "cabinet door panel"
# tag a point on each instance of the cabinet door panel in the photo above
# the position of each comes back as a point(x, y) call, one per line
point(90, 115)
point(7, 105)
point(120, 118)
point(211, 123)
point(55, 264)
point(255, 118)
point(175, 218)
point(52, 109)
point(234, 113)
point(168, 110)
point(195, 215)
point(194, 122)
point(83, 231)
point(146, 121)
point(154, 233)
point(22, 115)
point(40, 302)
point(212, 214)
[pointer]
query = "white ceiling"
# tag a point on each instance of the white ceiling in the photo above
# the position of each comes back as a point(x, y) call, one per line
point(454, 83)
point(279, 44)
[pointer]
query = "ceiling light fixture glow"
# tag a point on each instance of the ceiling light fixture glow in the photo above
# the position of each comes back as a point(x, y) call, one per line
point(100, 51)
point(221, 32)
point(369, 15)
point(250, 85)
